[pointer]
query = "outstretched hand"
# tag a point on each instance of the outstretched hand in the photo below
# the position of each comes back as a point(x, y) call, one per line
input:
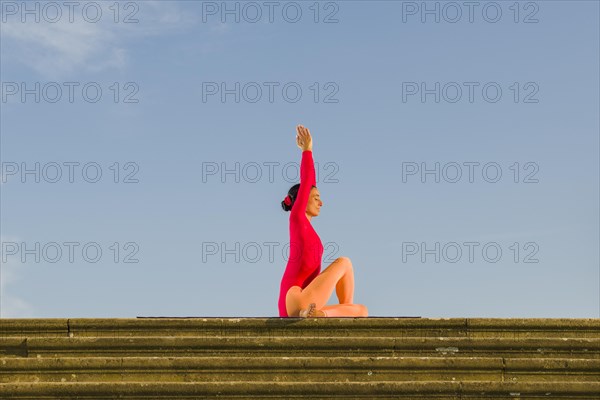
point(303, 138)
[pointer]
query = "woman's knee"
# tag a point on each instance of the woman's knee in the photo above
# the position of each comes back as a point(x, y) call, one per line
point(364, 310)
point(344, 260)
point(340, 266)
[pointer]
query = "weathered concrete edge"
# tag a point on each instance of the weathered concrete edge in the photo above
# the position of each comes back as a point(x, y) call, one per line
point(314, 388)
point(65, 326)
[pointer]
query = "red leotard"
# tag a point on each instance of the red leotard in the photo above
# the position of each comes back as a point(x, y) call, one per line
point(306, 249)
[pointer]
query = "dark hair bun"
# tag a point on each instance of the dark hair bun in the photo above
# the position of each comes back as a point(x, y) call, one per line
point(285, 206)
point(293, 192)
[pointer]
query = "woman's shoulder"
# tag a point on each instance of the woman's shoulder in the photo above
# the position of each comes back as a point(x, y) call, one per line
point(298, 220)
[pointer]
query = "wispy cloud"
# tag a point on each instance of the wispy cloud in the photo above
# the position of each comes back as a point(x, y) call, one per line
point(54, 50)
point(12, 306)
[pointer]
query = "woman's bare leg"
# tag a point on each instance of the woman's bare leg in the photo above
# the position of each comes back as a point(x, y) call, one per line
point(346, 310)
point(337, 276)
point(344, 289)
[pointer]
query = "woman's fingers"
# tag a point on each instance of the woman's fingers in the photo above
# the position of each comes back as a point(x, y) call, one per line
point(303, 133)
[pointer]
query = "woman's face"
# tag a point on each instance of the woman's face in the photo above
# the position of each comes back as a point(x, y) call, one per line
point(314, 203)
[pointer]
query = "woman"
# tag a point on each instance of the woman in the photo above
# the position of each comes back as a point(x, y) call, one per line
point(304, 290)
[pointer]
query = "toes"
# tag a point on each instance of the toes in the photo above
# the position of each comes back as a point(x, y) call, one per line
point(309, 312)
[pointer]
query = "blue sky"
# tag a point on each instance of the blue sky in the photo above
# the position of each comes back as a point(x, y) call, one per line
point(160, 124)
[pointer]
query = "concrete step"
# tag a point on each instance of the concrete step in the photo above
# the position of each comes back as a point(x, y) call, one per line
point(292, 358)
point(247, 346)
point(297, 369)
point(290, 327)
point(305, 390)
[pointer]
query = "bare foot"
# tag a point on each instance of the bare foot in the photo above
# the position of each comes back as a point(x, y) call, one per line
point(312, 312)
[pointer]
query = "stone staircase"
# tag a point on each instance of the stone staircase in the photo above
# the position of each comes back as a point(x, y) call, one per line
point(293, 358)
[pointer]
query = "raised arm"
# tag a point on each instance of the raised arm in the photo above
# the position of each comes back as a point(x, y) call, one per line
point(307, 171)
